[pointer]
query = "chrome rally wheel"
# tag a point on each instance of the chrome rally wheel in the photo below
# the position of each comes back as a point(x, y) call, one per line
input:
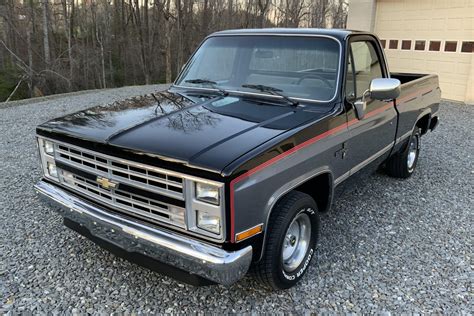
point(290, 245)
point(296, 243)
point(412, 152)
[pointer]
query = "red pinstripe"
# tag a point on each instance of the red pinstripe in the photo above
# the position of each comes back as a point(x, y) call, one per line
point(302, 145)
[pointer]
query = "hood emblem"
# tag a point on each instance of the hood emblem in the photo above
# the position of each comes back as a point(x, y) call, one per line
point(106, 183)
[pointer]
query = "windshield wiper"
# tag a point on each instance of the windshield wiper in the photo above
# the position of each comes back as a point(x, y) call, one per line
point(271, 90)
point(211, 83)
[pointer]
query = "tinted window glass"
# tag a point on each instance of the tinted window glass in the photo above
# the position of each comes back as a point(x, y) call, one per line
point(467, 47)
point(292, 60)
point(406, 45)
point(216, 58)
point(435, 46)
point(450, 46)
point(383, 43)
point(303, 67)
point(367, 67)
point(420, 45)
point(393, 44)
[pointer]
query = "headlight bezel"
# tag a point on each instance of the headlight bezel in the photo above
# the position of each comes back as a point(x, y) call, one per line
point(201, 187)
point(192, 205)
point(47, 159)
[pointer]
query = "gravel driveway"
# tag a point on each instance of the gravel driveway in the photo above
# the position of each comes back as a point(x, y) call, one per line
point(389, 245)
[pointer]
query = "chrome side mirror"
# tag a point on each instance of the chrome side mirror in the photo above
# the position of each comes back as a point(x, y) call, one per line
point(384, 88)
point(380, 89)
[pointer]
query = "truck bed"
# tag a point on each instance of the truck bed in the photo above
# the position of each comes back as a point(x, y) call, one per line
point(406, 77)
point(419, 98)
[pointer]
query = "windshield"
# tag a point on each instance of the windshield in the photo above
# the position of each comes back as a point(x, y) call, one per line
point(301, 67)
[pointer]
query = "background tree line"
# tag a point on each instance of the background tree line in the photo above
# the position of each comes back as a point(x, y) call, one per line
point(55, 46)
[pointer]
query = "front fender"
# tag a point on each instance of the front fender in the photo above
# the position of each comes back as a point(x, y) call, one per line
point(294, 185)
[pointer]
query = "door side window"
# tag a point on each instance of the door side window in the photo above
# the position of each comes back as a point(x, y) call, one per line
point(364, 65)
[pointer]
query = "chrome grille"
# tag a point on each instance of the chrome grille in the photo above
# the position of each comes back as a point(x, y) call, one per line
point(123, 171)
point(134, 204)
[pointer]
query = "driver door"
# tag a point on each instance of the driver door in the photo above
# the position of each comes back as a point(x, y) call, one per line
point(371, 137)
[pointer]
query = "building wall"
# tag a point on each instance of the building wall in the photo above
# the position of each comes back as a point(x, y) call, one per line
point(361, 15)
point(426, 21)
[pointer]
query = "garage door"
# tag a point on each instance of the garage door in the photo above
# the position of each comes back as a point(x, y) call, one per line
point(430, 36)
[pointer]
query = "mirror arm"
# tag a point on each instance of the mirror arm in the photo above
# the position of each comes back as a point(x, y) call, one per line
point(365, 95)
point(361, 105)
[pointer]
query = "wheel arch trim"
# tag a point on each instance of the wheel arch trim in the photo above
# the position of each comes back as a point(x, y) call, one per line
point(425, 112)
point(289, 186)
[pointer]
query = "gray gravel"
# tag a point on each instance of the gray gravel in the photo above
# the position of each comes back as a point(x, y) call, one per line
point(387, 246)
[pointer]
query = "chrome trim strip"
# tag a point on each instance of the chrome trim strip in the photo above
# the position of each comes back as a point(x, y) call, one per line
point(339, 70)
point(372, 158)
point(140, 165)
point(109, 165)
point(191, 203)
point(403, 137)
point(207, 261)
point(363, 164)
point(341, 178)
point(114, 168)
point(137, 206)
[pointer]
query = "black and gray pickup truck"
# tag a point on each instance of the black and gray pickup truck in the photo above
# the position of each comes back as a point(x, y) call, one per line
point(229, 168)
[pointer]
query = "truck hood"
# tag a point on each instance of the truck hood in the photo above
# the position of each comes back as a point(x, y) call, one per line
point(205, 132)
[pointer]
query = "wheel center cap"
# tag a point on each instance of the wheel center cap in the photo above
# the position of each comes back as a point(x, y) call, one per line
point(292, 240)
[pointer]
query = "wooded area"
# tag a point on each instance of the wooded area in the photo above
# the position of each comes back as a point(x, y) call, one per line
point(55, 46)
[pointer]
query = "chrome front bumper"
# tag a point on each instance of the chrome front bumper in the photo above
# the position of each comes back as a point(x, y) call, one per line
point(195, 257)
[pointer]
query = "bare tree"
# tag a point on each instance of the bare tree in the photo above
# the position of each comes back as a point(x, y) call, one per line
point(263, 8)
point(68, 13)
point(164, 7)
point(47, 55)
point(339, 13)
point(65, 45)
point(293, 12)
point(319, 13)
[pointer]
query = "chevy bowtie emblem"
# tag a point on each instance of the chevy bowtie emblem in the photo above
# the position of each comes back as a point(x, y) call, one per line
point(106, 183)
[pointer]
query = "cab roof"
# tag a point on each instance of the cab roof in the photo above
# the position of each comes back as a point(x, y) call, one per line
point(340, 34)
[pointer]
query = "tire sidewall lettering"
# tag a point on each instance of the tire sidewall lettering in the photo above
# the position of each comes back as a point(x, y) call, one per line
point(300, 272)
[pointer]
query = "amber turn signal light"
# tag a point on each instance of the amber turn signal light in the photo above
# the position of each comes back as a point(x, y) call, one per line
point(249, 233)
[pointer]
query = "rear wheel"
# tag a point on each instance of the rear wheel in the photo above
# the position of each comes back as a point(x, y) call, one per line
point(403, 164)
point(291, 241)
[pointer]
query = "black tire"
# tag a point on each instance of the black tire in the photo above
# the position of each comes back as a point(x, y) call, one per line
point(398, 166)
point(271, 270)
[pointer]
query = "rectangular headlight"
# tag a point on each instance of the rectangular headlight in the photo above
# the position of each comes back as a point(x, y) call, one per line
point(211, 223)
point(207, 193)
point(48, 147)
point(52, 171)
point(48, 164)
